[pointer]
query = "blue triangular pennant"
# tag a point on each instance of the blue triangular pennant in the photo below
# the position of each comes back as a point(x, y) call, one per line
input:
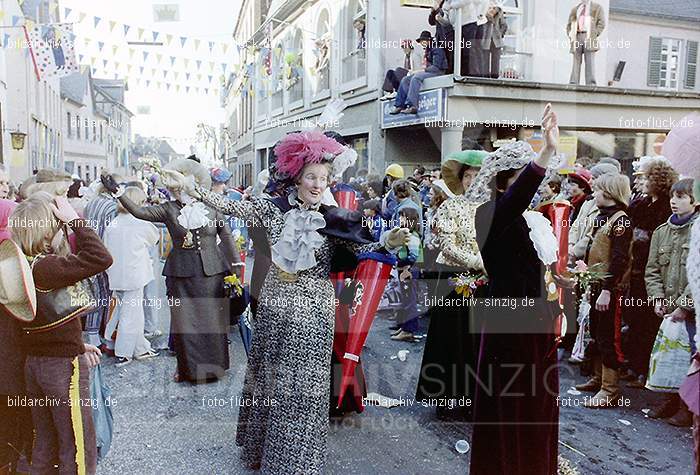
point(97, 21)
point(126, 29)
point(67, 12)
point(100, 45)
point(172, 60)
point(155, 36)
point(145, 55)
point(183, 40)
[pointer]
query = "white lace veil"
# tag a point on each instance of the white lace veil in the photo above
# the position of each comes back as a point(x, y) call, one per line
point(512, 156)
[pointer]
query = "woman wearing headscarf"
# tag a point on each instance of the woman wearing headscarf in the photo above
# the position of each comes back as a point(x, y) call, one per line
point(293, 336)
point(194, 272)
point(516, 431)
point(449, 359)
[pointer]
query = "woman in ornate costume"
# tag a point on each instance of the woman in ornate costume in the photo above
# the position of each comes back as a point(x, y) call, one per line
point(194, 273)
point(449, 360)
point(283, 420)
point(516, 430)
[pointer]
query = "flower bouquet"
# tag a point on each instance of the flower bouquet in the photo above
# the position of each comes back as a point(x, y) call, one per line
point(466, 284)
point(584, 275)
point(233, 286)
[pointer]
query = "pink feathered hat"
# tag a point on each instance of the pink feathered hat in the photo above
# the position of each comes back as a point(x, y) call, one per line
point(299, 149)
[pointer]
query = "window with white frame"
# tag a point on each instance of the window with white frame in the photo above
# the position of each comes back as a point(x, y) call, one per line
point(666, 63)
point(354, 58)
point(294, 63)
point(320, 69)
point(514, 59)
point(262, 82)
point(277, 80)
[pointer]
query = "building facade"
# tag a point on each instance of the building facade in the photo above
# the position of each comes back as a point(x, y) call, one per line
point(302, 53)
point(110, 99)
point(33, 106)
point(84, 128)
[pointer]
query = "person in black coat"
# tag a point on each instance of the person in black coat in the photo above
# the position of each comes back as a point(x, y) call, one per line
point(194, 272)
point(516, 413)
point(646, 213)
point(444, 32)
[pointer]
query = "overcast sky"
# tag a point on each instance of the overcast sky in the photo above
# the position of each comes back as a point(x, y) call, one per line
point(171, 114)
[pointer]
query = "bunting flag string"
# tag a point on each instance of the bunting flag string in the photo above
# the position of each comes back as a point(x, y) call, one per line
point(110, 66)
point(116, 47)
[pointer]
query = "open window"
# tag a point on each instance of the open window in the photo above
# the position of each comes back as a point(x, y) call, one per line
point(294, 67)
point(320, 69)
point(354, 45)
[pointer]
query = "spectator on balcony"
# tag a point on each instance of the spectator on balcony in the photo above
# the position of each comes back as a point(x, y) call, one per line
point(492, 44)
point(473, 18)
point(586, 23)
point(444, 32)
point(436, 64)
point(393, 77)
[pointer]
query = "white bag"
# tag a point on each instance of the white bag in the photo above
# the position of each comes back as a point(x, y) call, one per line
point(670, 357)
point(583, 337)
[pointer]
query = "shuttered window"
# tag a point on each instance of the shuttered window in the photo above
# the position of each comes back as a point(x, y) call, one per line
point(654, 74)
point(691, 64)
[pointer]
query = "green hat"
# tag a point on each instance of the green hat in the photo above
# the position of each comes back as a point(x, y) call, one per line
point(454, 164)
point(472, 158)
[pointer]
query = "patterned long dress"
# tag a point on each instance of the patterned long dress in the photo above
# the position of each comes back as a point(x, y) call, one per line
point(283, 417)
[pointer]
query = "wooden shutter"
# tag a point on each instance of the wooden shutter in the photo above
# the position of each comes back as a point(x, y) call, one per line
point(654, 67)
point(691, 64)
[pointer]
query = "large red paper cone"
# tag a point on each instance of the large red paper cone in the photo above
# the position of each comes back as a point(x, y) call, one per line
point(558, 213)
point(346, 196)
point(370, 279)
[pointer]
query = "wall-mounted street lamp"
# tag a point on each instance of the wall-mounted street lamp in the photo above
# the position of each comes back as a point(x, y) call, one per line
point(18, 140)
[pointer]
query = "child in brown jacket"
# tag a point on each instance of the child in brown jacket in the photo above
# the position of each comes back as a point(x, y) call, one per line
point(57, 364)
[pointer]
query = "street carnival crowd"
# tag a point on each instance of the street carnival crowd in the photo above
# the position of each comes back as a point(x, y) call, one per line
point(505, 250)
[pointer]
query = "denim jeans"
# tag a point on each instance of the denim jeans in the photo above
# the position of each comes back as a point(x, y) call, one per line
point(411, 85)
point(408, 311)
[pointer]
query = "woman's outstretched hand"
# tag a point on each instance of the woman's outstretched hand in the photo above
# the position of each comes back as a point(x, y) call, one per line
point(550, 134)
